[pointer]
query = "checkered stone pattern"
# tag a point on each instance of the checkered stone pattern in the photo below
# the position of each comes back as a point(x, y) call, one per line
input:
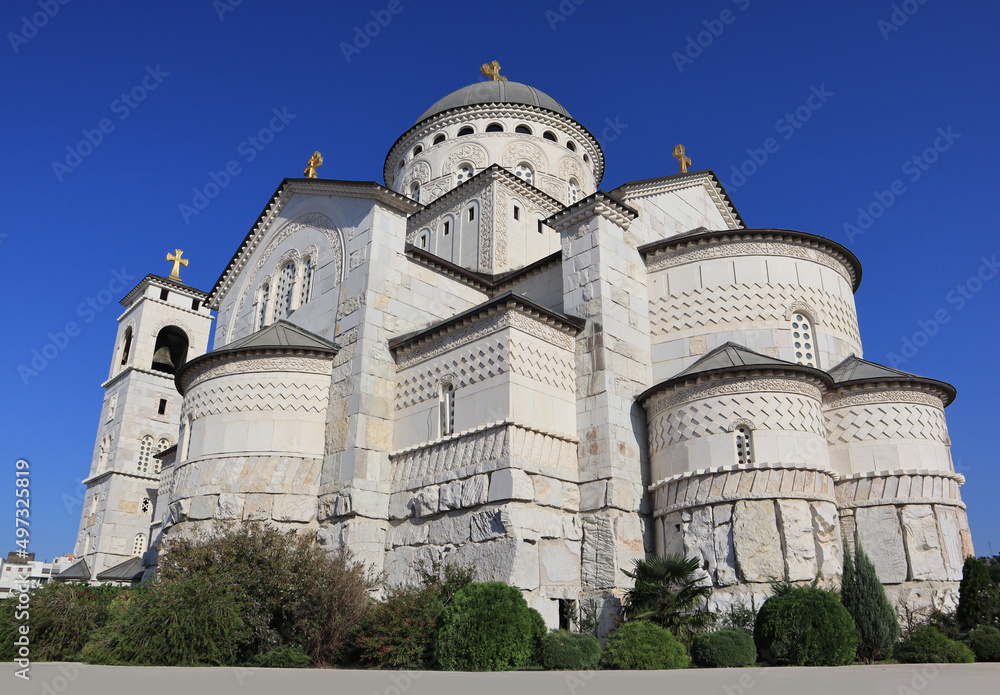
point(886, 421)
point(542, 362)
point(268, 394)
point(481, 360)
point(768, 411)
point(739, 304)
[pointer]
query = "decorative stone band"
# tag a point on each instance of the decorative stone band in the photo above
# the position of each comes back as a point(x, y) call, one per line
point(484, 449)
point(733, 483)
point(899, 487)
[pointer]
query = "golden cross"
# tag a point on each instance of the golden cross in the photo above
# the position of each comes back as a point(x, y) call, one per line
point(314, 163)
point(492, 71)
point(685, 162)
point(175, 274)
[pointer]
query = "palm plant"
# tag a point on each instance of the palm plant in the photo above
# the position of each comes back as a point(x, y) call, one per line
point(667, 593)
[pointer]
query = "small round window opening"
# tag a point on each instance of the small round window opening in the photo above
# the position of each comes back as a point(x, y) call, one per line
point(804, 340)
point(464, 173)
point(744, 445)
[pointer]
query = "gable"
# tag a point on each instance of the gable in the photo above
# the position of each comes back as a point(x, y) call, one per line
point(674, 204)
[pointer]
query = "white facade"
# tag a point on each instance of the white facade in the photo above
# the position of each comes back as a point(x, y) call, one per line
point(491, 360)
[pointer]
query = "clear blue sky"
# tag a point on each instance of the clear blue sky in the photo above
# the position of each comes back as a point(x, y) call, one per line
point(211, 82)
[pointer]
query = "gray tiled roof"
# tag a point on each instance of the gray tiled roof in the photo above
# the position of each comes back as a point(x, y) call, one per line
point(281, 334)
point(854, 369)
point(494, 93)
point(129, 571)
point(78, 570)
point(731, 355)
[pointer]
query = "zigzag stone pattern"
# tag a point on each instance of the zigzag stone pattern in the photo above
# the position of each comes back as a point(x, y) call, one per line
point(542, 363)
point(886, 421)
point(757, 302)
point(481, 360)
point(266, 394)
point(774, 411)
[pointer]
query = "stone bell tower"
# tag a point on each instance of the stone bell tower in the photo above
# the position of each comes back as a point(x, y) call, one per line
point(165, 324)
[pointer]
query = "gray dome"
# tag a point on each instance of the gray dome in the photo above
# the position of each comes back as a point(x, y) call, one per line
point(495, 93)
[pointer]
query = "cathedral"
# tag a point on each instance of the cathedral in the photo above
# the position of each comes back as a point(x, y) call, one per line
point(491, 360)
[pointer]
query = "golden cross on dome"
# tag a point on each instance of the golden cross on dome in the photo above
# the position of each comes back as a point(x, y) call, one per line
point(313, 164)
point(492, 71)
point(175, 274)
point(685, 162)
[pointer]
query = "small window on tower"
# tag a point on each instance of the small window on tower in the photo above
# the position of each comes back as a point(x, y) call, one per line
point(467, 130)
point(447, 409)
point(164, 294)
point(439, 139)
point(804, 340)
point(549, 135)
point(162, 408)
point(195, 304)
point(423, 241)
point(744, 445)
point(517, 213)
point(472, 214)
point(447, 227)
point(145, 505)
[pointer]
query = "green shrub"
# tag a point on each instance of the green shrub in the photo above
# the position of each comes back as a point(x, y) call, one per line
point(985, 643)
point(864, 598)
point(740, 616)
point(287, 656)
point(643, 645)
point(805, 626)
point(399, 633)
point(486, 627)
point(570, 651)
point(538, 632)
point(724, 649)
point(667, 591)
point(978, 596)
point(62, 617)
point(926, 645)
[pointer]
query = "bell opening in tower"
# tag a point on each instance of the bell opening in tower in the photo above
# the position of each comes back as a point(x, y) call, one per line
point(171, 349)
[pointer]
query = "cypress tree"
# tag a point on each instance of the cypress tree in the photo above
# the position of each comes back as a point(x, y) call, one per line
point(978, 596)
point(864, 597)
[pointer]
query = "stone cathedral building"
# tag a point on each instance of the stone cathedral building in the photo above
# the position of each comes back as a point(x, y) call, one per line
point(490, 359)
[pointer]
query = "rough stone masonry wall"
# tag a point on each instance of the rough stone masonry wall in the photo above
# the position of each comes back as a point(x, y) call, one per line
point(750, 525)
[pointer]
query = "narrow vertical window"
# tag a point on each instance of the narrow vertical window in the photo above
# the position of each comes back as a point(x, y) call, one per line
point(447, 409)
point(307, 280)
point(145, 453)
point(144, 507)
point(415, 192)
point(139, 545)
point(574, 191)
point(447, 227)
point(744, 445)
point(126, 346)
point(804, 339)
point(286, 290)
point(472, 214)
point(161, 409)
point(517, 213)
point(261, 307)
point(161, 446)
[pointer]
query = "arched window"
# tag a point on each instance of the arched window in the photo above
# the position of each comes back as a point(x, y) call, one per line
point(466, 130)
point(804, 339)
point(465, 172)
point(415, 191)
point(494, 128)
point(286, 290)
point(102, 459)
point(586, 158)
point(417, 150)
point(439, 139)
point(423, 241)
point(744, 445)
point(447, 409)
point(523, 129)
point(260, 306)
point(549, 135)
point(574, 191)
point(145, 453)
point(161, 446)
point(525, 172)
point(308, 266)
point(571, 145)
point(402, 163)
point(126, 346)
point(170, 351)
point(139, 545)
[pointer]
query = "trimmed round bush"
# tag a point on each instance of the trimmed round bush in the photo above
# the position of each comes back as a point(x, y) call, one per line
point(287, 656)
point(487, 627)
point(642, 645)
point(927, 645)
point(805, 626)
point(538, 632)
point(726, 648)
point(570, 651)
point(985, 643)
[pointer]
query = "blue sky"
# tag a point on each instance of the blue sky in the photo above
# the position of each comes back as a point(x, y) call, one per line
point(847, 92)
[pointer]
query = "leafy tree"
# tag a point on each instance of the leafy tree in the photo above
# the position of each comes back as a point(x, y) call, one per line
point(667, 593)
point(978, 596)
point(805, 626)
point(864, 598)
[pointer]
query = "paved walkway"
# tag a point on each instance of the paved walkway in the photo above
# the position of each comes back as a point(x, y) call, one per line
point(79, 679)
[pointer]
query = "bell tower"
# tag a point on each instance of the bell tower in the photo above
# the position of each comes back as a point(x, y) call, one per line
point(165, 324)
